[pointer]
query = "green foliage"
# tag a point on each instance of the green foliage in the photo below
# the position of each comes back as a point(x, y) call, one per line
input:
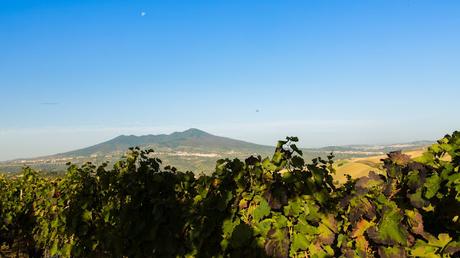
point(271, 207)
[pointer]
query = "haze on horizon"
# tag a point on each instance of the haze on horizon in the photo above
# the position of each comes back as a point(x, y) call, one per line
point(76, 73)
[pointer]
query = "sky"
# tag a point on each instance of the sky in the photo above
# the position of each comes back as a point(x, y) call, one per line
point(75, 73)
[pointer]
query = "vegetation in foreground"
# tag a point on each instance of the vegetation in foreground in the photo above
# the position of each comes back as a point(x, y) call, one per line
point(276, 207)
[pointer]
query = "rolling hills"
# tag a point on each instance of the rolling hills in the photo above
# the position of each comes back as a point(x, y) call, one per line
point(358, 167)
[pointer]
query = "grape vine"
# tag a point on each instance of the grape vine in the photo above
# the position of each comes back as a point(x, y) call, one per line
point(260, 207)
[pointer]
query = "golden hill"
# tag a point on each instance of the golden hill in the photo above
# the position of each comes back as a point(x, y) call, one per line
point(358, 167)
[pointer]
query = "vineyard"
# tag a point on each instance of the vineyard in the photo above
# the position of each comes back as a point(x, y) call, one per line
point(260, 207)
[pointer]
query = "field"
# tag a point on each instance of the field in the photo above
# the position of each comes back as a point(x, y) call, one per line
point(359, 167)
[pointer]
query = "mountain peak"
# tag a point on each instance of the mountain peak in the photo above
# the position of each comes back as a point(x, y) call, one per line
point(193, 132)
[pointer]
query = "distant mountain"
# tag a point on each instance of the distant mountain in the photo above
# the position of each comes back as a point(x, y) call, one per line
point(193, 149)
point(190, 140)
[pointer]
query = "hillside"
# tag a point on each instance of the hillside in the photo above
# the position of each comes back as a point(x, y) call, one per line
point(359, 167)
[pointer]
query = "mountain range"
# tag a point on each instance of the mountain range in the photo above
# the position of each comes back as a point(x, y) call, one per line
point(192, 149)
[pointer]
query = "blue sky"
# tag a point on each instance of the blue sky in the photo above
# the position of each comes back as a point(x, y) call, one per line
point(74, 73)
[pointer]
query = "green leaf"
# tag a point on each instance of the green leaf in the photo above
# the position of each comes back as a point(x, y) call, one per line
point(227, 227)
point(294, 208)
point(87, 215)
point(262, 210)
point(54, 248)
point(277, 157)
point(304, 227)
point(263, 227)
point(442, 240)
point(299, 242)
point(389, 229)
point(432, 186)
point(423, 250)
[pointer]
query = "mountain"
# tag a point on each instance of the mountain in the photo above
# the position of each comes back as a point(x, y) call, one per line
point(193, 149)
point(194, 140)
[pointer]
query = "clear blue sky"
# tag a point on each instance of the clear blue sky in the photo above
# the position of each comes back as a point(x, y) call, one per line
point(73, 73)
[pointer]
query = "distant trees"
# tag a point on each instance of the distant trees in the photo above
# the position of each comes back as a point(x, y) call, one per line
point(272, 207)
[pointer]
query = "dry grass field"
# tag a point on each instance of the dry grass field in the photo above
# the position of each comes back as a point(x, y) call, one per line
point(358, 167)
